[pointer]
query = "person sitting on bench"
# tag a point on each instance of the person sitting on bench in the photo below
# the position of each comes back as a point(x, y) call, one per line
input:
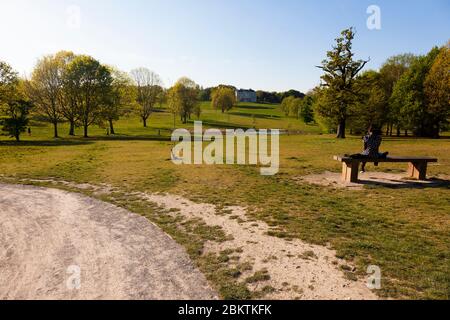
point(372, 143)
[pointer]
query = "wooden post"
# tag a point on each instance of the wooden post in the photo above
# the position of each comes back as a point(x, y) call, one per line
point(350, 171)
point(418, 170)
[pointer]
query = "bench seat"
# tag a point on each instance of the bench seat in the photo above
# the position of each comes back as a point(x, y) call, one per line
point(417, 167)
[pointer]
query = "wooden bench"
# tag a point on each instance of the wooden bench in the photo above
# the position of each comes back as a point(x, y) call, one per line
point(417, 166)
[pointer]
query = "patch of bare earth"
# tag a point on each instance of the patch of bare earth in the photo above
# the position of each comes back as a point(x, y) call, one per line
point(44, 233)
point(294, 269)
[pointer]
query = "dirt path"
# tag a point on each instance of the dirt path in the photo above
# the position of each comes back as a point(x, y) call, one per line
point(46, 234)
point(295, 269)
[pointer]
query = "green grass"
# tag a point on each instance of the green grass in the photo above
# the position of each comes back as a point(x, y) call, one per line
point(405, 231)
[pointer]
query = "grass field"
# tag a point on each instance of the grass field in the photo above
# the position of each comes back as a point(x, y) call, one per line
point(405, 231)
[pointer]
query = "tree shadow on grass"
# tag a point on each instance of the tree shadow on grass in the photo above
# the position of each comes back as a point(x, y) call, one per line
point(45, 143)
point(256, 107)
point(78, 141)
point(223, 125)
point(257, 116)
point(121, 137)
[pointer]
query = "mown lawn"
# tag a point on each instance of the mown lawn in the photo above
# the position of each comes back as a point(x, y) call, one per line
point(405, 231)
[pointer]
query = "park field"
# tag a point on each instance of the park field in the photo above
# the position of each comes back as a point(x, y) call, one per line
point(405, 231)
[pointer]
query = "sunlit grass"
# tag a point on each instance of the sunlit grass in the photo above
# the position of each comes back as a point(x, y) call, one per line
point(404, 231)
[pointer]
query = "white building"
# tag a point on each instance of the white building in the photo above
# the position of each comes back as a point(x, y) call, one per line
point(246, 95)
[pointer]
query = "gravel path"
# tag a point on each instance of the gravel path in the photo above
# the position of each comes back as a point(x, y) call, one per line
point(47, 236)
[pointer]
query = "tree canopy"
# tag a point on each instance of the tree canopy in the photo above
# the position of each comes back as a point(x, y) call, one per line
point(223, 98)
point(340, 72)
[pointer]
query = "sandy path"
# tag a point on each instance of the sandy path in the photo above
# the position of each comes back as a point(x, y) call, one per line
point(120, 255)
point(292, 275)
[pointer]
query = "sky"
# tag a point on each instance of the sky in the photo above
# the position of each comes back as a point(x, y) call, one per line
point(272, 45)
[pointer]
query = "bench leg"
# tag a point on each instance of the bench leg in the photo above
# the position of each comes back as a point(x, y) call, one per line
point(418, 170)
point(350, 171)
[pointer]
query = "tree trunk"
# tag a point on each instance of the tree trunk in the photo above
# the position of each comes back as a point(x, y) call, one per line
point(341, 129)
point(406, 133)
point(85, 131)
point(111, 127)
point(398, 131)
point(145, 122)
point(437, 133)
point(17, 136)
point(72, 128)
point(55, 129)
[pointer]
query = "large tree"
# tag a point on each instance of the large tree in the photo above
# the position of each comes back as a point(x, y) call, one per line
point(340, 72)
point(183, 98)
point(437, 91)
point(306, 111)
point(370, 107)
point(148, 85)
point(223, 98)
point(291, 106)
point(8, 82)
point(89, 84)
point(409, 97)
point(120, 100)
point(390, 73)
point(67, 98)
point(14, 108)
point(15, 120)
point(46, 87)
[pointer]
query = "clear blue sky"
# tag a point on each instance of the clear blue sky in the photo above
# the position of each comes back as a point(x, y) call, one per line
point(260, 44)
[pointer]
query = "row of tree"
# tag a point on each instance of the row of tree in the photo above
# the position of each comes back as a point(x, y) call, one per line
point(79, 90)
point(300, 108)
point(409, 94)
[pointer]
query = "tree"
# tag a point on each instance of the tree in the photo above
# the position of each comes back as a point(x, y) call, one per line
point(340, 71)
point(120, 99)
point(14, 108)
point(67, 99)
point(16, 119)
point(409, 97)
point(148, 86)
point(370, 107)
point(286, 105)
point(437, 91)
point(173, 103)
point(390, 73)
point(223, 98)
point(205, 94)
point(162, 98)
point(46, 87)
point(8, 82)
point(306, 110)
point(267, 97)
point(183, 98)
point(89, 84)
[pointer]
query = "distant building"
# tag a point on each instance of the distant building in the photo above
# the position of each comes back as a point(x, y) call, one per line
point(245, 95)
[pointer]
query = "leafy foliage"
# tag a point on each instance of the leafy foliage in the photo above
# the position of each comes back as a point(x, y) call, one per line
point(89, 83)
point(340, 72)
point(183, 99)
point(223, 98)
